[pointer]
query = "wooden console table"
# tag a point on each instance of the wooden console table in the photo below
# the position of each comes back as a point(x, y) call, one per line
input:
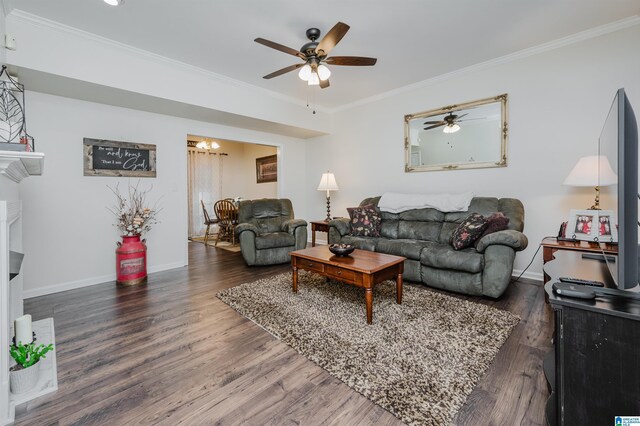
point(593, 370)
point(551, 245)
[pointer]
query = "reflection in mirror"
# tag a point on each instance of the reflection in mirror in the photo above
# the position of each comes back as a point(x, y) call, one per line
point(463, 136)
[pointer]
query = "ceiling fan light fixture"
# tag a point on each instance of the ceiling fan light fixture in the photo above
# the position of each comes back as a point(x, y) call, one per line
point(215, 145)
point(305, 72)
point(114, 2)
point(451, 128)
point(323, 72)
point(202, 145)
point(313, 80)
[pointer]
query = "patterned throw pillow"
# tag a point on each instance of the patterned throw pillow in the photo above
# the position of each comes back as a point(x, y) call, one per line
point(365, 221)
point(468, 231)
point(496, 222)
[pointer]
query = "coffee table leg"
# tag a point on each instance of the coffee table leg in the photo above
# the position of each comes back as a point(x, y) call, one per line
point(295, 279)
point(399, 289)
point(368, 297)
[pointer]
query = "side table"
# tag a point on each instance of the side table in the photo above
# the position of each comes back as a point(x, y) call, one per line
point(320, 226)
point(551, 245)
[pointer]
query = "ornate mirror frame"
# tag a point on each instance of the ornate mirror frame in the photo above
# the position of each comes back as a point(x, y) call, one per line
point(500, 161)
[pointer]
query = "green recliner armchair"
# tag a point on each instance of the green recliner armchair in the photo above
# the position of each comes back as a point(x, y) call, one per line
point(268, 231)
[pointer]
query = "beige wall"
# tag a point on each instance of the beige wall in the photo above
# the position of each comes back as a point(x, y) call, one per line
point(255, 190)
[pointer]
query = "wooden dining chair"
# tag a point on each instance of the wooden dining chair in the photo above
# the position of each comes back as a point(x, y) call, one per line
point(207, 221)
point(227, 214)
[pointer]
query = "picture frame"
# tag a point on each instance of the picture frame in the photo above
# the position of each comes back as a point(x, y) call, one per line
point(607, 226)
point(267, 169)
point(592, 225)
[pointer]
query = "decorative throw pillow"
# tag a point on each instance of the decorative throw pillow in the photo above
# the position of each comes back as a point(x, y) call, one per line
point(365, 221)
point(496, 222)
point(468, 231)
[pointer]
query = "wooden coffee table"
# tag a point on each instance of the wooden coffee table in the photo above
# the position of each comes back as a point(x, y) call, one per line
point(361, 268)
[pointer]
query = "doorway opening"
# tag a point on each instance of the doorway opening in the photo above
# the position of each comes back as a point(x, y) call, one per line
point(221, 170)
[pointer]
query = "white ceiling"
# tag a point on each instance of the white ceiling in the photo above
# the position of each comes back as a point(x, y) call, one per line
point(413, 40)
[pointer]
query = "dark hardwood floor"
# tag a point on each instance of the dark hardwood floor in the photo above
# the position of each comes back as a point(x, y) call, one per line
point(171, 353)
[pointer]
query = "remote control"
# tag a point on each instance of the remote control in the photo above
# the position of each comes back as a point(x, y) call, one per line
point(573, 290)
point(591, 283)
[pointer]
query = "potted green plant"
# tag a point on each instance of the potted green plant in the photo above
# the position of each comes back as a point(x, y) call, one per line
point(24, 375)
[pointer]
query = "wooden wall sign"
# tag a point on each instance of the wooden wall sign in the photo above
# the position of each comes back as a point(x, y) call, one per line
point(113, 158)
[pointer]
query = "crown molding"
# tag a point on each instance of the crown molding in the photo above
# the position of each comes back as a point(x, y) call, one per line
point(27, 17)
point(531, 51)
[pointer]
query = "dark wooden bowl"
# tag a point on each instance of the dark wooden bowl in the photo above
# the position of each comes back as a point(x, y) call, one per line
point(341, 249)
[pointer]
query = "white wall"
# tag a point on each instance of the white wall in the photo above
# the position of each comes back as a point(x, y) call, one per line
point(69, 240)
point(558, 101)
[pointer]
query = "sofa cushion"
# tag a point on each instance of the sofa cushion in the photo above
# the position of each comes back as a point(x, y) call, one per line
point(411, 249)
point(413, 229)
point(468, 231)
point(362, 243)
point(365, 221)
point(496, 222)
point(275, 239)
point(443, 256)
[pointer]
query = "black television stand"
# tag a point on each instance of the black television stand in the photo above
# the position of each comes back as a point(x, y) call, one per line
point(593, 370)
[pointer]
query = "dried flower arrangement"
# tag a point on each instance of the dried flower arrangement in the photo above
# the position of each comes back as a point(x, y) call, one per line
point(133, 217)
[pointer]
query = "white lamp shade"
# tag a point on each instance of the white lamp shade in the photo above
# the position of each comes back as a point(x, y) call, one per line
point(451, 129)
point(305, 72)
point(323, 72)
point(328, 182)
point(594, 170)
point(313, 79)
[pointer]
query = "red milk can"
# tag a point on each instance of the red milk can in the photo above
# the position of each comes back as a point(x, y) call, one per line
point(131, 261)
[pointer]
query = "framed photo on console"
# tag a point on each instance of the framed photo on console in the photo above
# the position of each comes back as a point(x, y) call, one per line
point(592, 225)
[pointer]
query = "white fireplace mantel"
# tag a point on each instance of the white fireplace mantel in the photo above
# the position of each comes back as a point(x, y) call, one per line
point(17, 165)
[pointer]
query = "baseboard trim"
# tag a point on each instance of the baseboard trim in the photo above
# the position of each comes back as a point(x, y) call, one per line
point(529, 275)
point(87, 282)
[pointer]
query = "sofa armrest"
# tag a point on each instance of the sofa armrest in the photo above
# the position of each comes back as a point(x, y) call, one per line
point(291, 225)
point(341, 225)
point(247, 227)
point(514, 239)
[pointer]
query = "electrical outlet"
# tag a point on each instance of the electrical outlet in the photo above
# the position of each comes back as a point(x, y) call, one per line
point(9, 42)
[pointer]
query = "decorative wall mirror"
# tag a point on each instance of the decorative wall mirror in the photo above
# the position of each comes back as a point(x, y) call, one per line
point(471, 135)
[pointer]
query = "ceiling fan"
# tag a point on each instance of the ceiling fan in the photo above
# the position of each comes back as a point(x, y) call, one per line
point(315, 55)
point(450, 121)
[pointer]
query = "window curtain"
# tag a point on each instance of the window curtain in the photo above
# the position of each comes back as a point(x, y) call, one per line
point(205, 184)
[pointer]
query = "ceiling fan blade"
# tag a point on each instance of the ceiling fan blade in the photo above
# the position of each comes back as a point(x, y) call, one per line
point(282, 71)
point(332, 38)
point(434, 126)
point(280, 47)
point(324, 84)
point(358, 61)
point(435, 122)
point(458, 117)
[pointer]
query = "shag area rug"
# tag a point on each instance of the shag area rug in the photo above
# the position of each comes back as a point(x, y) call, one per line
point(419, 360)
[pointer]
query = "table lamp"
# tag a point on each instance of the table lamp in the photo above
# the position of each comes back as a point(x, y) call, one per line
point(328, 183)
point(595, 171)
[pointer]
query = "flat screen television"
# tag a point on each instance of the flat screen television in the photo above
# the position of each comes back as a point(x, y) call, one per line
point(619, 143)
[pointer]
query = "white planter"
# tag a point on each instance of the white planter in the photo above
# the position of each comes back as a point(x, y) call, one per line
point(24, 380)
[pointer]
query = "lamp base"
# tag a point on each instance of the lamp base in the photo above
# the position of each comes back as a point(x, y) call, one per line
point(328, 218)
point(596, 203)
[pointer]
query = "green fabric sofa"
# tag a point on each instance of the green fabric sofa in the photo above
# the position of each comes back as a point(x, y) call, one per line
point(267, 231)
point(422, 236)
